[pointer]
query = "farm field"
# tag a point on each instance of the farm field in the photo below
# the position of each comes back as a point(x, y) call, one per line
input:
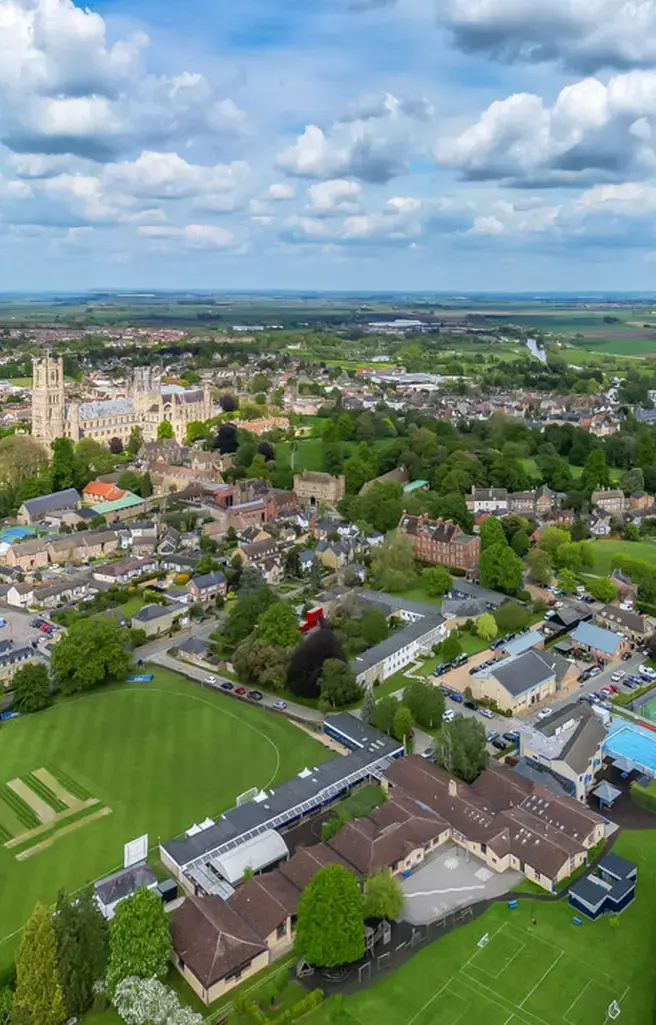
point(159, 756)
point(549, 973)
point(606, 551)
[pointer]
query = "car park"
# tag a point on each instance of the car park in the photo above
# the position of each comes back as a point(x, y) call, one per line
point(487, 712)
point(226, 685)
point(280, 705)
point(449, 715)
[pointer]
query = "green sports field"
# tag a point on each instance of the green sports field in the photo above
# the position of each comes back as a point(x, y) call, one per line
point(159, 756)
point(606, 551)
point(537, 968)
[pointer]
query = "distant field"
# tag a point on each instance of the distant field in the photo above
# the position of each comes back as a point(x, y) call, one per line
point(309, 452)
point(605, 551)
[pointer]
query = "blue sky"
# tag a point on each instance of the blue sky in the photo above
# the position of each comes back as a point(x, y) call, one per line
point(338, 144)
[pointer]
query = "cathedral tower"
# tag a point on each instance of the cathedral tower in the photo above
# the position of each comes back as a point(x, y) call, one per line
point(48, 400)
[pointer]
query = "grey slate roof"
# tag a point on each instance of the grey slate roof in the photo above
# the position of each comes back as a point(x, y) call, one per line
point(150, 612)
point(58, 500)
point(215, 579)
point(124, 883)
point(584, 741)
point(461, 588)
point(521, 673)
point(397, 640)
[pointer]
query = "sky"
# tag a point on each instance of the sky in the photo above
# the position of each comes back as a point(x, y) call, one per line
point(447, 145)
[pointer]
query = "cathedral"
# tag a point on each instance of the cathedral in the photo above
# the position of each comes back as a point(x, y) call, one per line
point(146, 405)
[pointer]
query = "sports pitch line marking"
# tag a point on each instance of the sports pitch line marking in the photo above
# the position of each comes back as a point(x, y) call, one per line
point(538, 984)
point(594, 970)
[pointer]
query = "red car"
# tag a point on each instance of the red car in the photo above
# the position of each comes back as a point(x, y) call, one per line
point(241, 691)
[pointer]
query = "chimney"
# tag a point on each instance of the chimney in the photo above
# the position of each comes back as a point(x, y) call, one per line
point(453, 788)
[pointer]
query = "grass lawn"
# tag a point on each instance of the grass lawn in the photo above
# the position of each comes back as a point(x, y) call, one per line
point(419, 593)
point(161, 755)
point(606, 551)
point(132, 606)
point(396, 682)
point(549, 974)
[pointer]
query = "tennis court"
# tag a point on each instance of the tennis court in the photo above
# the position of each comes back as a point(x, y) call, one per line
point(516, 978)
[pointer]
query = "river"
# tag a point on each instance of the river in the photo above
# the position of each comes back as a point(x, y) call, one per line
point(536, 350)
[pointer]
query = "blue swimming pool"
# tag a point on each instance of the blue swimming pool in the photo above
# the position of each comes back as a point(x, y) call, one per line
point(632, 741)
point(10, 534)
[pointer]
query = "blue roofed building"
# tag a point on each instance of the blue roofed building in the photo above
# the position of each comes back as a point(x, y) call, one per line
point(603, 645)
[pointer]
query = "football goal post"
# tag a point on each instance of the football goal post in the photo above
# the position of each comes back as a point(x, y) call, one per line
point(484, 940)
point(614, 1010)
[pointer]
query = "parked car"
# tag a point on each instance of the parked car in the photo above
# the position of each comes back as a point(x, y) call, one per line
point(471, 704)
point(456, 697)
point(613, 688)
point(255, 695)
point(449, 715)
point(500, 744)
point(491, 735)
point(617, 676)
point(626, 656)
point(241, 691)
point(512, 736)
point(210, 679)
point(460, 660)
point(594, 670)
point(226, 685)
point(544, 713)
point(487, 712)
point(280, 705)
point(647, 672)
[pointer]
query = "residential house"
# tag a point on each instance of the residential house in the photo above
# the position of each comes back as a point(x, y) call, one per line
point(537, 505)
point(241, 516)
point(333, 554)
point(441, 541)
point(603, 645)
point(13, 659)
point(207, 587)
point(632, 624)
point(195, 650)
point(568, 745)
point(313, 487)
point(28, 556)
point(281, 504)
point(626, 587)
point(254, 554)
point(124, 570)
point(612, 502)
point(181, 562)
point(488, 500)
point(560, 621)
point(169, 541)
point(159, 619)
point(82, 546)
point(640, 501)
point(600, 526)
point(101, 491)
point(307, 559)
point(38, 510)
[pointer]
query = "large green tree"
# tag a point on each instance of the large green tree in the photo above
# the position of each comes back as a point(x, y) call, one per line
point(65, 469)
point(139, 939)
point(94, 458)
point(437, 580)
point(402, 723)
point(540, 566)
point(92, 653)
point(39, 997)
point(426, 703)
point(602, 588)
point(330, 924)
point(460, 747)
point(278, 625)
point(393, 563)
point(337, 684)
point(165, 431)
point(486, 627)
point(501, 569)
point(383, 896)
point(552, 538)
point(450, 647)
point(492, 533)
point(31, 688)
point(245, 613)
point(82, 936)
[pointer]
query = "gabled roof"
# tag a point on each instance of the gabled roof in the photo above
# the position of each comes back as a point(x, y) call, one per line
point(58, 500)
point(212, 940)
point(596, 637)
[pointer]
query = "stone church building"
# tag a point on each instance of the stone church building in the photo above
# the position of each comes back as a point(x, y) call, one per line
point(146, 405)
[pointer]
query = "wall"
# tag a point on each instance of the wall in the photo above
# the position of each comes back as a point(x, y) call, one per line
point(208, 996)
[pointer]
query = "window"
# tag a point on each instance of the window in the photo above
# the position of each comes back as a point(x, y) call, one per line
point(281, 930)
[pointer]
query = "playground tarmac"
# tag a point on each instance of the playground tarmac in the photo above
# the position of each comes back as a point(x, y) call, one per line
point(452, 879)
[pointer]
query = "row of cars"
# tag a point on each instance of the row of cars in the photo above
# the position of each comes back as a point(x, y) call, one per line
point(240, 691)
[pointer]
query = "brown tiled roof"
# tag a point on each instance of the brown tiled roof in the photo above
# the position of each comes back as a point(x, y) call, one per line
point(258, 907)
point(440, 530)
point(211, 939)
point(307, 861)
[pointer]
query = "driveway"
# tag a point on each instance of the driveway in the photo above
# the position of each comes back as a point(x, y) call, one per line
point(452, 879)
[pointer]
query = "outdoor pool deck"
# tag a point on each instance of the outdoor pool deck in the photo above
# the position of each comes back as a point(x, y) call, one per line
point(634, 742)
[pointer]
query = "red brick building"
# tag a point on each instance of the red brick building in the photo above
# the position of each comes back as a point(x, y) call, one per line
point(441, 541)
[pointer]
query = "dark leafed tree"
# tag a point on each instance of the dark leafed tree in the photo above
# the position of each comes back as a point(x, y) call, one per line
point(307, 661)
point(228, 402)
point(226, 439)
point(330, 926)
point(82, 936)
point(115, 446)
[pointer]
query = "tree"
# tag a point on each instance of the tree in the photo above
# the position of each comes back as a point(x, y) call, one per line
point(21, 458)
point(115, 446)
point(139, 939)
point(568, 581)
point(145, 486)
point(150, 1002)
point(226, 439)
point(337, 684)
point(486, 627)
point(551, 540)
point(31, 688)
point(384, 713)
point(450, 647)
point(393, 563)
point(65, 468)
point(128, 481)
point(165, 430)
point(460, 748)
point(330, 926)
point(511, 617)
point(292, 562)
point(437, 580)
point(278, 625)
point(261, 664)
point(307, 661)
point(368, 705)
point(492, 533)
point(332, 458)
point(197, 430)
point(135, 440)
point(228, 402)
point(633, 480)
point(39, 997)
point(601, 588)
point(426, 704)
point(383, 896)
point(540, 567)
point(402, 724)
point(373, 626)
point(501, 569)
point(82, 936)
point(93, 458)
point(595, 472)
point(520, 543)
point(251, 581)
point(243, 616)
point(92, 653)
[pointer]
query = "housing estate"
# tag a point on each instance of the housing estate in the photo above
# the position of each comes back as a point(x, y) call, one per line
point(441, 541)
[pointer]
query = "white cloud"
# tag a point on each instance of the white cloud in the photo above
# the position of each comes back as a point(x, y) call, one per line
point(583, 34)
point(335, 196)
point(63, 89)
point(281, 191)
point(169, 176)
point(593, 130)
point(194, 236)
